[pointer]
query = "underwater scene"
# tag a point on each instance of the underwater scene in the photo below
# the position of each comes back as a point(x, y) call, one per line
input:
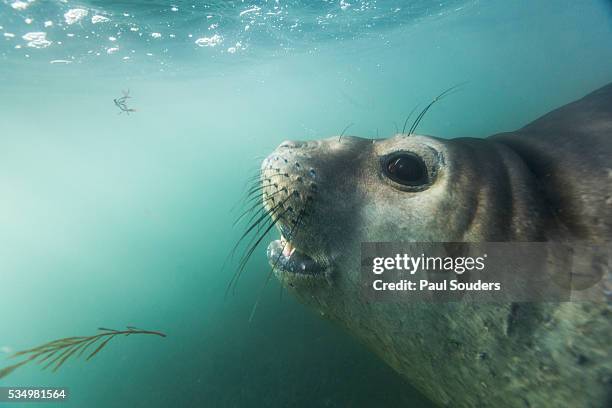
point(132, 137)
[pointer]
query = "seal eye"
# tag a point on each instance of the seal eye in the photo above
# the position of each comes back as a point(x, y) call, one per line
point(406, 168)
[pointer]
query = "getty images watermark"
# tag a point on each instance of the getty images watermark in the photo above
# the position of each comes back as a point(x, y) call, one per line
point(486, 272)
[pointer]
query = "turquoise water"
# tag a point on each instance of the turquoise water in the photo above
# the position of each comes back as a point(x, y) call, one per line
point(114, 220)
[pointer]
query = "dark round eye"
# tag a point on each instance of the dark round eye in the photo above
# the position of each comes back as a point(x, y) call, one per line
point(406, 168)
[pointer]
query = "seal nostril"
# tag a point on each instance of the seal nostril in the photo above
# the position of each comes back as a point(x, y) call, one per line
point(297, 165)
point(312, 173)
point(296, 194)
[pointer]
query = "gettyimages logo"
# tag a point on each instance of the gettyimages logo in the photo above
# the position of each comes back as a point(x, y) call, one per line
point(412, 264)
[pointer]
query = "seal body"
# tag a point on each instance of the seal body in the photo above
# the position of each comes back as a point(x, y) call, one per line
point(548, 181)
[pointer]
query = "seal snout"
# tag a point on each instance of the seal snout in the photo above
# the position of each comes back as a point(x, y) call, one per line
point(308, 189)
point(289, 187)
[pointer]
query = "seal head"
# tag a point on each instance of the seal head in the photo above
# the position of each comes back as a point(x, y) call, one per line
point(328, 196)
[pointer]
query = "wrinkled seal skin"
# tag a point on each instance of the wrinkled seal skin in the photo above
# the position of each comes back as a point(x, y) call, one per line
point(549, 181)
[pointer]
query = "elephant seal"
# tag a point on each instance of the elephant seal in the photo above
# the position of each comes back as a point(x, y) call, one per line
point(548, 181)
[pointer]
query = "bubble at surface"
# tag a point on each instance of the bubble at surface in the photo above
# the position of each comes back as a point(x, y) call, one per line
point(99, 19)
point(21, 5)
point(73, 16)
point(211, 41)
point(37, 39)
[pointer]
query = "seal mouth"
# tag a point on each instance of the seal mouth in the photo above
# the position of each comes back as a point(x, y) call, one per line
point(285, 257)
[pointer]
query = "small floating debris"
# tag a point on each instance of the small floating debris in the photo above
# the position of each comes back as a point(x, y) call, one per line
point(60, 62)
point(121, 103)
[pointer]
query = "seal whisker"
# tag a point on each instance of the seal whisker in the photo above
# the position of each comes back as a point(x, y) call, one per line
point(256, 188)
point(247, 211)
point(247, 255)
point(233, 281)
point(249, 184)
point(260, 219)
point(436, 99)
point(253, 190)
point(257, 185)
point(271, 272)
point(263, 208)
point(407, 118)
point(274, 212)
point(251, 247)
point(258, 203)
point(344, 130)
point(250, 228)
point(258, 213)
point(261, 194)
point(254, 178)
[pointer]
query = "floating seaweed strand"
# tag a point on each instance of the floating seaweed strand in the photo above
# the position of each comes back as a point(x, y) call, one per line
point(57, 352)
